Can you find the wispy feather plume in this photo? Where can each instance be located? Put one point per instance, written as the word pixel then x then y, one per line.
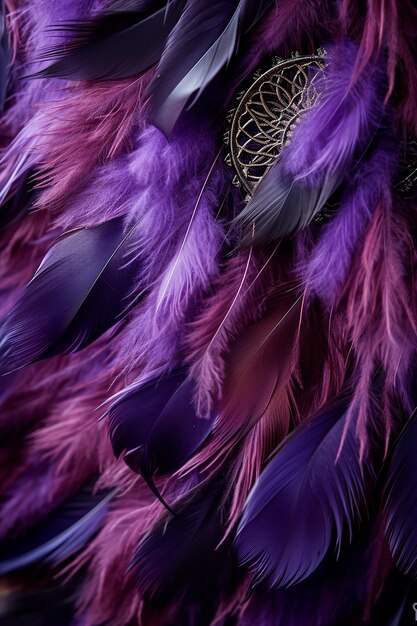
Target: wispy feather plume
pixel 178 238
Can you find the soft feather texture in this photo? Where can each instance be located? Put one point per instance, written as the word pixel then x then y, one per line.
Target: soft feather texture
pixel 389 25
pixel 110 590
pixel 176 199
pixel 270 334
pixel 79 291
pixel 380 318
pixel 20 119
pixel 326 269
pixel 66 447
pixel 330 138
pixel 306 493
pixel 86 130
pixel 201 44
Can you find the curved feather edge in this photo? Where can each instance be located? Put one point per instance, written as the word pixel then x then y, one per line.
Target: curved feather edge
pixel 169 557
pixel 156 427
pixel 302 500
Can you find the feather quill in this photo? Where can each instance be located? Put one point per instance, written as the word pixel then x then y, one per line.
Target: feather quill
pixel 258 370
pixel 231 307
pixel 178 239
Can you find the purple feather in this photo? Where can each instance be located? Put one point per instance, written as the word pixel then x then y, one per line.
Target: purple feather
pixel 302 500
pixel 155 424
pixel 177 194
pixel 345 591
pixel 168 560
pixel 325 271
pixel 79 291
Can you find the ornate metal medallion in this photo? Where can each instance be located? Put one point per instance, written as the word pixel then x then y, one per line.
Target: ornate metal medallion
pixel 267 114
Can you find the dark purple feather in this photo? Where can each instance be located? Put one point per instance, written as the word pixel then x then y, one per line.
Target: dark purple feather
pixel 79 291
pixel 342 592
pixel 113 46
pixel 18 203
pixel 169 559
pixel 61 534
pixel 155 424
pixel 201 44
pixel 302 500
pixel 400 500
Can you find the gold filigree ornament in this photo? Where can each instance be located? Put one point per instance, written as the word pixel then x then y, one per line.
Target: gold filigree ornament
pixel 267 114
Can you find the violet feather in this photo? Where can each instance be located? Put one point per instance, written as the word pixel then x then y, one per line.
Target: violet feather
pixel 156 426
pixel 302 501
pixel 177 193
pixel 326 269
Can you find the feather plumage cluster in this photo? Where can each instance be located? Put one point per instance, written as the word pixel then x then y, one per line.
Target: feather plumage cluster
pixel 207 405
